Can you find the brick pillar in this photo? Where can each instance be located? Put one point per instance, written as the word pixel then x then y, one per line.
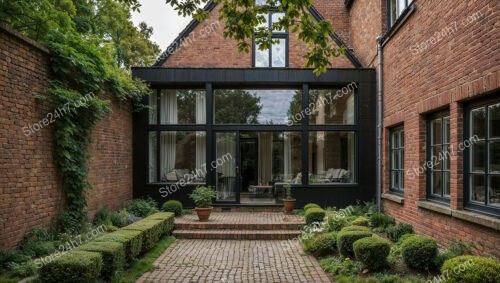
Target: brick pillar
pixel 456 165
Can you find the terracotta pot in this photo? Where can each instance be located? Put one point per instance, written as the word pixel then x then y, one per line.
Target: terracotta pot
pixel 203 213
pixel 289 204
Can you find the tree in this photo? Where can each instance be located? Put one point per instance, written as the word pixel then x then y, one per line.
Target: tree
pixel 243 16
pixel 236 107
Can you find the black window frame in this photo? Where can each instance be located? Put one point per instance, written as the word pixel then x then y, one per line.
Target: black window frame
pixel 275 35
pixel 396 129
pixel 390 21
pixel 467 165
pixel 442 115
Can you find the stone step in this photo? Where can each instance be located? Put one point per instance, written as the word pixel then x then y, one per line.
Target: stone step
pixel 237 234
pixel 250 208
pixel 238 226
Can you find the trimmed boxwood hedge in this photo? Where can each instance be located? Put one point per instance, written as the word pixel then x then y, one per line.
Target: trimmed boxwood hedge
pixel 152 230
pixel 419 252
pixel 321 244
pixel 168 221
pixel 346 238
pixel 471 269
pixel 311 205
pixel 74 266
pixel 357 228
pixel 398 230
pixel 113 256
pixel 131 239
pixel 314 214
pixel 361 221
pixel 372 252
pixel 174 206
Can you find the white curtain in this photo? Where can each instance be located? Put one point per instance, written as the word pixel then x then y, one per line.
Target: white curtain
pixel 320 152
pixel 287 151
pixel 152 157
pixel 349 111
pixel 226 143
pixel 201 115
pixel 168 139
pixel 265 157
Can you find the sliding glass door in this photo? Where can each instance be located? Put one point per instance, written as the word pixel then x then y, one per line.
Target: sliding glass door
pixel 227 178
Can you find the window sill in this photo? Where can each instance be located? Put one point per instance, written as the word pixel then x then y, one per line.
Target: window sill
pixel 399 23
pixel 394 198
pixel 468 216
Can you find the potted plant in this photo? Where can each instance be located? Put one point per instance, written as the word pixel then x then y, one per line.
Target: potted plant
pixel 202 197
pixel 289 201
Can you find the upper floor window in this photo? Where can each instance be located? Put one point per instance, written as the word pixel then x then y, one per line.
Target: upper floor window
pixel 277 55
pixel 438 156
pixel 483 166
pixel 397 153
pixel 395 8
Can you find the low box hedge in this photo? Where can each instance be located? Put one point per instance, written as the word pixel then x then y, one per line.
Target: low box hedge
pixel 151 229
pixel 131 239
pixel 321 244
pixel 356 228
pixel 314 214
pixel 360 221
pixel 113 256
pixel 168 219
pixel 372 252
pixel 471 269
pixel 419 252
pixel 74 266
pixel 311 205
pixel 346 238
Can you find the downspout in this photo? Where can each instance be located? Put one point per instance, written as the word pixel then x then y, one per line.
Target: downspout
pixel 380 39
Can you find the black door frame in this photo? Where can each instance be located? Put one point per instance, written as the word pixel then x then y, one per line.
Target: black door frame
pixel 213 171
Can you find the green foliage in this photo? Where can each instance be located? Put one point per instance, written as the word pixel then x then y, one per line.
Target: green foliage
pixel 167 219
pixel 341 266
pixel 131 240
pixel 235 106
pixel 311 205
pixel 74 266
pixel 381 220
pixel 11 257
pixel 288 192
pixel 143 207
pixel 362 209
pixel 102 216
pixel 321 244
pixel 360 221
pixel 113 256
pixel 172 206
pixel 120 218
pixel 356 228
pixel 314 214
pixel 345 240
pixel 37 242
pixel 471 269
pixel 419 252
pixel 335 221
pixel 396 231
pixel 24 269
pixel 456 248
pixel 381 278
pixel 151 231
pixel 203 196
pixel 372 252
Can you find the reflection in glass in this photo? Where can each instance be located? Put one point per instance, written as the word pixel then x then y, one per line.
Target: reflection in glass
pixel 153 153
pixel 226 178
pixel 276 17
pixel 494 118
pixel 152 108
pixel 279 52
pixel 477 188
pixel 477 152
pixel 494 190
pixel 331 158
pixel 397 159
pixel 494 156
pixel 331 106
pixel 478 117
pixel 182 106
pixel 261 57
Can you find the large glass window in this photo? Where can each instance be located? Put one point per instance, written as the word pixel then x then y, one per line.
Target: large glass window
pixel 179 106
pixel 484 167
pixel 331 106
pixel 397 153
pixel 264 107
pixel 332 157
pixel 438 155
pixel 276 56
pixel 395 8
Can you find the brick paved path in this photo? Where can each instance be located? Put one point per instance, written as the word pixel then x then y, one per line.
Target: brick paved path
pixel 225 261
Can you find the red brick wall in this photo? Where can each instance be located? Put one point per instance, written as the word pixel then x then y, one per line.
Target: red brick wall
pixel 206 47
pixel 29 184
pixel 461 66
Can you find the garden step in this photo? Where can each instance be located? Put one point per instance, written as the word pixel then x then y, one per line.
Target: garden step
pixel 238 226
pixel 237 234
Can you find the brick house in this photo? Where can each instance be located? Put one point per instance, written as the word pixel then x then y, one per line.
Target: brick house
pixel 236 121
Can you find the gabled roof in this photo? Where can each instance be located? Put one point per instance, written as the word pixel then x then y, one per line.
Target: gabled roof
pixel 211 5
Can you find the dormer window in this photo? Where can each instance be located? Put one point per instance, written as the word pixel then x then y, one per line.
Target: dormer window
pixel 277 55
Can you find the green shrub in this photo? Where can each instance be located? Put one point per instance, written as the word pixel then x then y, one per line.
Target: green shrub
pixel 356 228
pixel 367 208
pixel 167 219
pixel 419 252
pixel 120 218
pixel 321 244
pixel 74 266
pixel 341 266
pixel 471 269
pixel 381 278
pixel 113 256
pixel 345 240
pixel 396 231
pixel 24 269
pixel 151 229
pixel 372 252
pixel 360 221
pixel 36 243
pixel 381 220
pixel 102 216
pixel 131 240
pixel 311 205
pixel 7 257
pixel 455 249
pixel 314 215
pixel 335 221
pixel 172 206
pixel 143 207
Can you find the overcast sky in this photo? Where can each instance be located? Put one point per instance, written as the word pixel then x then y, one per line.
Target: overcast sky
pixel 164 20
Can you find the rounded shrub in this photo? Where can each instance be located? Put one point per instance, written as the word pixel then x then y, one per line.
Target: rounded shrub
pixel 419 252
pixel 471 269
pixel 396 231
pixel 372 252
pixel 335 221
pixel 321 244
pixel 311 205
pixel 345 240
pixel 382 220
pixel 360 221
pixel 314 215
pixel 356 228
pixel 172 206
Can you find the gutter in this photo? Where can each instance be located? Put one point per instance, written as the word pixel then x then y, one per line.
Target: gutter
pixel 380 42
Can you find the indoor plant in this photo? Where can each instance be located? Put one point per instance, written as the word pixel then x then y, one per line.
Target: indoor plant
pixel 289 201
pixel 202 197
